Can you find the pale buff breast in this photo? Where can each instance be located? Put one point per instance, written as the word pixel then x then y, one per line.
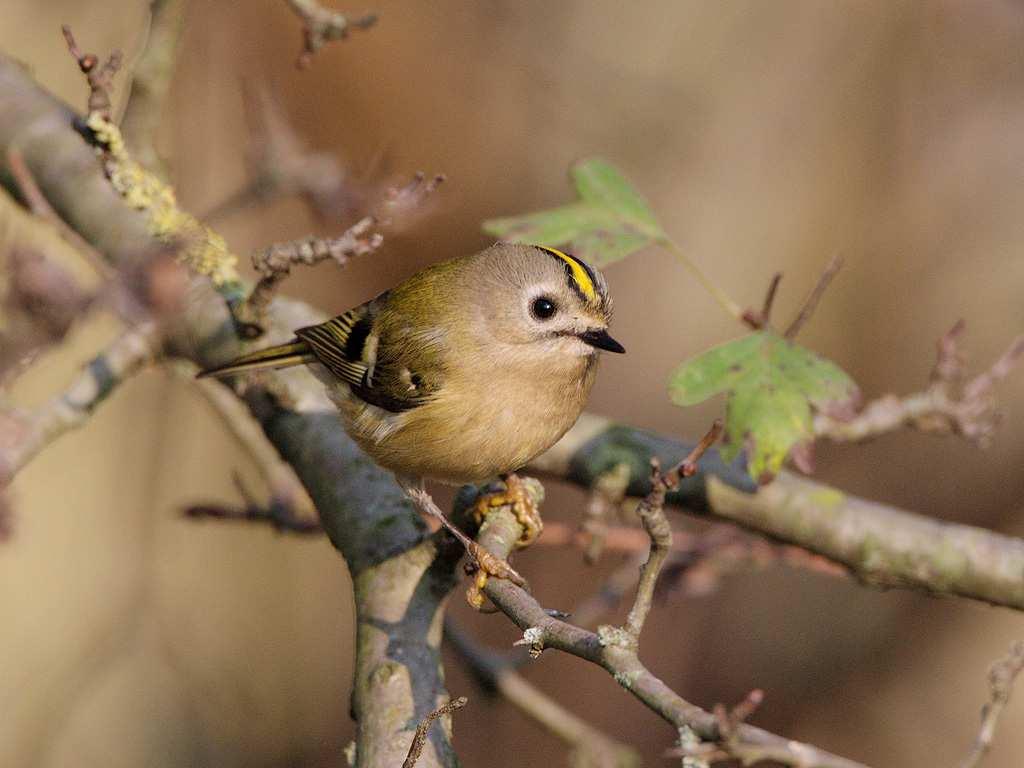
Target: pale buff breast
pixel 493 426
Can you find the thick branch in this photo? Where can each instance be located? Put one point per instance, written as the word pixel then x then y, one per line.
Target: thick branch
pixel 883 546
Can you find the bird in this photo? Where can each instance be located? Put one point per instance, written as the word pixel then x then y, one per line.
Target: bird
pixel 464 372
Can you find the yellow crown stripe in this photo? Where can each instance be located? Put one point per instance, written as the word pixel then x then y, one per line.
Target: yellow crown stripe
pixel 578 271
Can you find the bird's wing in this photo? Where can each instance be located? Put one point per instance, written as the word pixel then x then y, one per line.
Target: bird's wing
pixel 338 344
pixel 358 350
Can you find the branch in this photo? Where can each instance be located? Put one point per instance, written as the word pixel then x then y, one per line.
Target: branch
pixel 151 81
pixel 729 720
pixel 1000 680
pixel 589 747
pixel 202 249
pixel 290 507
pixel 423 728
pixel 99 78
pixel 652 514
pixel 321 25
pixel 46 295
pixel 280 513
pixel 606 497
pixel 397 676
pixel 615 651
pixel 763 318
pixel 400 578
pixel 811 302
pixel 281 164
pixel 40 206
pixel 881 545
pixel 950 404
pixel 275 262
pixel 25 435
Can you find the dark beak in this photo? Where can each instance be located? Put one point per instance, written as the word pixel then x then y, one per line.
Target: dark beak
pixel 599 339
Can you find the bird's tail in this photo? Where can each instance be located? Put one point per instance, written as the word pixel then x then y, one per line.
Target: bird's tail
pixel 282 356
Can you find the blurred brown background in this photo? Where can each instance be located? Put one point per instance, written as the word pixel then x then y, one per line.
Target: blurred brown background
pixel 768 136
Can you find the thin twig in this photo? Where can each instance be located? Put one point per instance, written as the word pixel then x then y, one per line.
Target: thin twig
pixel 729 747
pixel 99 78
pixel 758 320
pixel 424 728
pixel 151 80
pixel 720 296
pixel 615 651
pixel 279 513
pixel 275 262
pixel 949 404
pixel 290 506
pixel 811 302
pixel 590 747
pixel 1000 681
pixel 321 25
pixel 769 299
pixel 281 163
pixel 652 514
pixel 25 435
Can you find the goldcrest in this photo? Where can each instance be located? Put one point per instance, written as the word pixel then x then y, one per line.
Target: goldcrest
pixel 468 369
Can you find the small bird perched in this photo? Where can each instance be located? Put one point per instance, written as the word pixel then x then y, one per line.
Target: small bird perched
pixel 464 372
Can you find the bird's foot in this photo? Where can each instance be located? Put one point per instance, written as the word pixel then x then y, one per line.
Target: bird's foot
pixel 518 497
pixel 484 563
pixel 487 564
pixel 527 515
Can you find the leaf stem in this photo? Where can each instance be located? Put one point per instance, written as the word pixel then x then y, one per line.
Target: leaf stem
pixel 726 303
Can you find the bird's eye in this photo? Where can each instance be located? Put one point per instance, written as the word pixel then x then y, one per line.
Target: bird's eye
pixel 543 308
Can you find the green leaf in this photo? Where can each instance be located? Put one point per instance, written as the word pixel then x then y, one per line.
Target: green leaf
pixel 609 222
pixel 600 183
pixel 773 388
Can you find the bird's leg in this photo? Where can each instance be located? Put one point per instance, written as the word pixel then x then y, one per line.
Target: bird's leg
pixel 487 563
pixel 516 496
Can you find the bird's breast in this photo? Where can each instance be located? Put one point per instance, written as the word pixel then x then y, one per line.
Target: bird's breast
pixel 481 424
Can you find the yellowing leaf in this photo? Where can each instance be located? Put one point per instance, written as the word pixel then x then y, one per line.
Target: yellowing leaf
pixel 773 387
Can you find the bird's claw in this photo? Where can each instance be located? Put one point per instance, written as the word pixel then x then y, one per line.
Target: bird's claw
pixel 487 564
pixel 518 497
